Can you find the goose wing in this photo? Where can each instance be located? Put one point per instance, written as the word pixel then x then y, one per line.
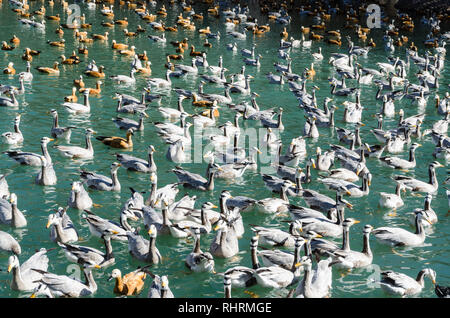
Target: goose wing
pixel 39 260
pixel 185 176
pixel 394 279
pixel 25 158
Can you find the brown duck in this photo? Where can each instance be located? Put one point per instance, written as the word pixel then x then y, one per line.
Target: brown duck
pixel 118 142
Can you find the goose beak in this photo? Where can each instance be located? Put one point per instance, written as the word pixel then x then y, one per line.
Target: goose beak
pixel 314 165
pixel 215 207
pixel 146 115
pixel 298 264
pixel 48 225
pixel 348 192
pixel 33 295
pixel 97 266
pixel 349 205
pixel 10 268
pixel 356 221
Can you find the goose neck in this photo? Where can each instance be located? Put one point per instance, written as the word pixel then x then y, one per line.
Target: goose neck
pixel 366 245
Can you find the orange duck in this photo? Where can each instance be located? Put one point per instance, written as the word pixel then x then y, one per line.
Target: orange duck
pixel 315 37
pixel 118 46
pixel 15 40
pixel 10 70
pixel 98 74
pixel 93 91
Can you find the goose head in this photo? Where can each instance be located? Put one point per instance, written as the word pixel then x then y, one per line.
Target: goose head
pixel 45 140
pixel 13 262
pixel 115 166
pixel 367 229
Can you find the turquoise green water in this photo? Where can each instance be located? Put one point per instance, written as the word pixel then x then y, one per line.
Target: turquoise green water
pixel 47 92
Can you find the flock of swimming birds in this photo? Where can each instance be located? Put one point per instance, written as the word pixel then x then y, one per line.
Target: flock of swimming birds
pixel 162 213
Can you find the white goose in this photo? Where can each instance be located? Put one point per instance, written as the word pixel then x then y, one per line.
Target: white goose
pixel 317 285
pixel 392 201
pixel 306 43
pixel 62 230
pixel 123 79
pixel 276 205
pixel 53 285
pixel 403 285
pixel 421 186
pixel 76 152
pixel 161 82
pixel 24 277
pixel 348 259
pixel 197 260
pixel 77 108
pixel 271 276
pixel 395 236
pixel 400 163
pixel 428 213
pixel 13 137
